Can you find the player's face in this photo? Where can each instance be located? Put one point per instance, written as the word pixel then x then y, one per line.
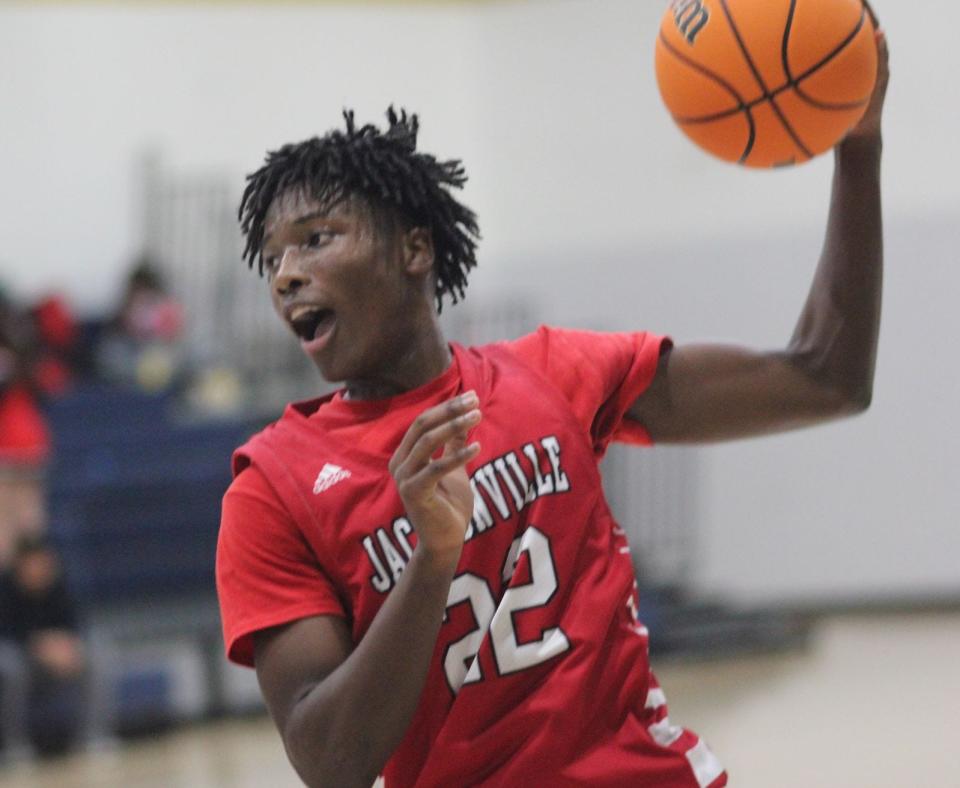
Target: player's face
pixel 340 285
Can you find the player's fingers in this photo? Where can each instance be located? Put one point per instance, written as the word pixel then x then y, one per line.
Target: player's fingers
pixel 428 476
pixel 431 442
pixel 883 51
pixel 883 69
pixel 456 443
pixel 429 419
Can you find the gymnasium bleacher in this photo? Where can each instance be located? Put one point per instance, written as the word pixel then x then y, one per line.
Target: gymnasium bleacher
pixel 134 493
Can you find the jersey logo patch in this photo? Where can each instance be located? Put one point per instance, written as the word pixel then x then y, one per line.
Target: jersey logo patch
pixel 329 475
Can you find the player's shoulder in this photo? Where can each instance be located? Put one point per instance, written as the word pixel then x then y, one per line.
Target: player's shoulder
pixel 535 347
pixel 250 481
pixel 520 353
pixel 519 346
pixel 287 433
pixel 520 365
pixel 538 350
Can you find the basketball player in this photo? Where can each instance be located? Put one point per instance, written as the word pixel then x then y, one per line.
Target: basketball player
pixel 421 566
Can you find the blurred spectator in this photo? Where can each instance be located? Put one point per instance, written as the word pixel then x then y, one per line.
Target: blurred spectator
pixel 24 440
pixel 37 616
pixel 147 312
pixel 56 338
pixel 141 345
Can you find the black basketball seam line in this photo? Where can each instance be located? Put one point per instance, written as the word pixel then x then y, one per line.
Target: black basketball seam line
pixel 795 82
pixel 785 44
pixel 836 50
pixel 696 119
pixel 705 71
pixel 741 104
pixel 825 105
pixel 751 123
pixel 751 139
pixel 784 49
pixel 746 54
pixel 830 57
pixel 829 106
pixel 792 82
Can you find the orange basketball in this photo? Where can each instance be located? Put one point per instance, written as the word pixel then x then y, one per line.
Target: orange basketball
pixel 766 83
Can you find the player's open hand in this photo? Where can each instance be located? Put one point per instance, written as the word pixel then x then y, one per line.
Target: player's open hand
pixel 435 489
pixel 869 125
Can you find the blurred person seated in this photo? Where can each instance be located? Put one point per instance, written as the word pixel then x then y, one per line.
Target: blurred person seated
pixel 24 438
pixel 141 345
pixel 38 617
pixel 56 338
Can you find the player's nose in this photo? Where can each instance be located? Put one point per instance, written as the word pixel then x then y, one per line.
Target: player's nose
pixel 292 274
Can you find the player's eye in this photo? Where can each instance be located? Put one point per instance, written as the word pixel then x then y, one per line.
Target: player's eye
pixel 270 263
pixel 318 238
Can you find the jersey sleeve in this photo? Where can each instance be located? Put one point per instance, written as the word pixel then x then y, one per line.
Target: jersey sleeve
pixel 267 574
pixel 601 374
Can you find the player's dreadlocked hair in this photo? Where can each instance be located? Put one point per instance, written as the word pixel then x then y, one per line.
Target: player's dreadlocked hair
pixel 383 168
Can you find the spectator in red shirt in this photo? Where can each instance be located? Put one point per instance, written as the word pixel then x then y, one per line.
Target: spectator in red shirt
pixel 24 439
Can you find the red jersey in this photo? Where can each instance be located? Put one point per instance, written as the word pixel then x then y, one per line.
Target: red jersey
pixel 540 673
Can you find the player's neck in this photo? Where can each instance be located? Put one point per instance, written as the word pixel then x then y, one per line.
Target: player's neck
pixel 414 365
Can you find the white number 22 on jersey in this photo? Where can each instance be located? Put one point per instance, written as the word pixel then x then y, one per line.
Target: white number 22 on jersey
pixel 460 661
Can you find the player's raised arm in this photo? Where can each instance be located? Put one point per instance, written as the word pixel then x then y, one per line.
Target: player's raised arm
pixel 714 392
pixel 342 710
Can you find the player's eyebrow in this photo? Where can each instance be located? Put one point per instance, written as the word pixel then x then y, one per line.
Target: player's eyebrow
pixel 318 214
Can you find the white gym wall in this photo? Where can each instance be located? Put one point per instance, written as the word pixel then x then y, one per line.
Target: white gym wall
pixel 591 204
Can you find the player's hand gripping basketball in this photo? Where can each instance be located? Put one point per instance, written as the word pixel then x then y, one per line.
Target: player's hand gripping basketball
pixel 436 490
pixel 869 125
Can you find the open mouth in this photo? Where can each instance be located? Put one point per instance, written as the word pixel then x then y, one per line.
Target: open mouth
pixel 309 323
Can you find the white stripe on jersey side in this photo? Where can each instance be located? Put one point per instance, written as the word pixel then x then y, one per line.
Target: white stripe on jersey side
pixel 655 698
pixel 664 733
pixel 706 767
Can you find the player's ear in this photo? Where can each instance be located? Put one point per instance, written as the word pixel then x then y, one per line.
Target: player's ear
pixel 418 253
